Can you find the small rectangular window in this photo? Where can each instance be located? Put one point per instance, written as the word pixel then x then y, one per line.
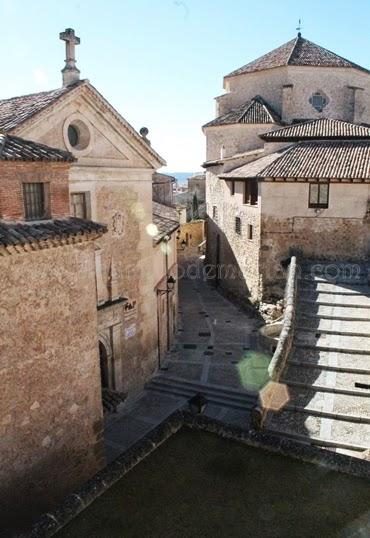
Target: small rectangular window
pixel 250 232
pixel 319 195
pixel 215 213
pixel 232 188
pixel 78 203
pixel 36 201
pixel 251 191
pixel 238 225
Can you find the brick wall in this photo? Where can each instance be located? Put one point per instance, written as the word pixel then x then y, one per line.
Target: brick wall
pixel 14 174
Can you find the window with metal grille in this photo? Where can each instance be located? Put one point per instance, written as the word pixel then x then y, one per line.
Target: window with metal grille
pixel 35 197
pixel 319 101
pixel 250 232
pixel 251 191
pixel 319 195
pixel 238 225
pixel 79 205
pixel 215 213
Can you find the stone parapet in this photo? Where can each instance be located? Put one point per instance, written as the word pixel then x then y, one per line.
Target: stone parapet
pixel 72 505
pixel 284 345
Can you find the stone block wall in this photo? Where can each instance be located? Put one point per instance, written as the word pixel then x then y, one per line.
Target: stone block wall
pixel 50 402
pixel 340 232
pixel 238 271
pixel 127 251
pixel 191 232
pixel 325 239
pixel 14 174
pixel 336 83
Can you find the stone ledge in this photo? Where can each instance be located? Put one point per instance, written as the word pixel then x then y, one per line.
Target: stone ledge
pixel 75 503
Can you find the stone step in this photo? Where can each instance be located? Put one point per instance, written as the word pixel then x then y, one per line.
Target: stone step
pixel 330 311
pixel 340 433
pixel 304 440
pixel 316 387
pixel 336 289
pixel 330 326
pixel 326 378
pixel 345 406
pixel 333 342
pixel 216 394
pixel 356 301
pixel 361 279
pixel 309 357
pixel 331 404
pixel 345 369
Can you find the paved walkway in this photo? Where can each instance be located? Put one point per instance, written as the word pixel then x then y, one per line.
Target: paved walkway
pixel 209 353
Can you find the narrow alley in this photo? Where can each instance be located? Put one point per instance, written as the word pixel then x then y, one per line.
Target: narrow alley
pixel 213 355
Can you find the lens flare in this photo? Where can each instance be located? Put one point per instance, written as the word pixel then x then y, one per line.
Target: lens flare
pixel 151 229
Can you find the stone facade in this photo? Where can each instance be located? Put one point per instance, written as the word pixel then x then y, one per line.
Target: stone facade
pixel 281 221
pixel 340 232
pixel 113 172
pixel 165 266
pixel 50 408
pixel 192 233
pixel 236 258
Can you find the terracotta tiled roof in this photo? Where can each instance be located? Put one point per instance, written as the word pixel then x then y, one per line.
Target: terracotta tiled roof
pixel 298 51
pixel 13 148
pixel 166 220
pixel 323 128
pixel 16 110
pixel 254 111
pixel 337 160
pixel 254 168
pixel 19 235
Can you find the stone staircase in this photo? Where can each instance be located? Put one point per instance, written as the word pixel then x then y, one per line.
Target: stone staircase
pixel 328 372
pixel 215 394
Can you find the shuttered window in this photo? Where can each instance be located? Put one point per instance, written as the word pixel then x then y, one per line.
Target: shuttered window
pixel 215 213
pixel 78 202
pixel 251 191
pixel 319 195
pixel 35 197
pixel 250 232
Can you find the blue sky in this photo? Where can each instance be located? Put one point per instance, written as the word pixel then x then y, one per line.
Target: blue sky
pixel 160 63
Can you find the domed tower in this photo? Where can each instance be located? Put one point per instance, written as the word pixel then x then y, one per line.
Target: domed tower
pixel 287 155
pixel 296 82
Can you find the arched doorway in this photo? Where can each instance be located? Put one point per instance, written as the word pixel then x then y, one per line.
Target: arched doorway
pixel 104 368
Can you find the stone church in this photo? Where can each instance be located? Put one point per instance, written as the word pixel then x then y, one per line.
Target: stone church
pixel 110 182
pixel 288 167
pixel 76 291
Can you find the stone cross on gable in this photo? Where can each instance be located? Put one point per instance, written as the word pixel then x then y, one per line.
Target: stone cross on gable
pixel 70 72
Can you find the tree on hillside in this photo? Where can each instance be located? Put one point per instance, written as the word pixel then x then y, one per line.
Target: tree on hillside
pixel 195 208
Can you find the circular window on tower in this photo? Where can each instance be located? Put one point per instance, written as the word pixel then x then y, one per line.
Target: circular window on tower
pixel 77 134
pixel 319 100
pixel 73 135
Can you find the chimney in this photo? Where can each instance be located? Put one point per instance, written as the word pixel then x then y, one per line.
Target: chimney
pixel 70 72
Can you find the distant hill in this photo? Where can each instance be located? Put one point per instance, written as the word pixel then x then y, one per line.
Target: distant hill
pixel 181 176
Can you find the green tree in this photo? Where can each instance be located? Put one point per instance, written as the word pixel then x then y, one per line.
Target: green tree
pixel 195 208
